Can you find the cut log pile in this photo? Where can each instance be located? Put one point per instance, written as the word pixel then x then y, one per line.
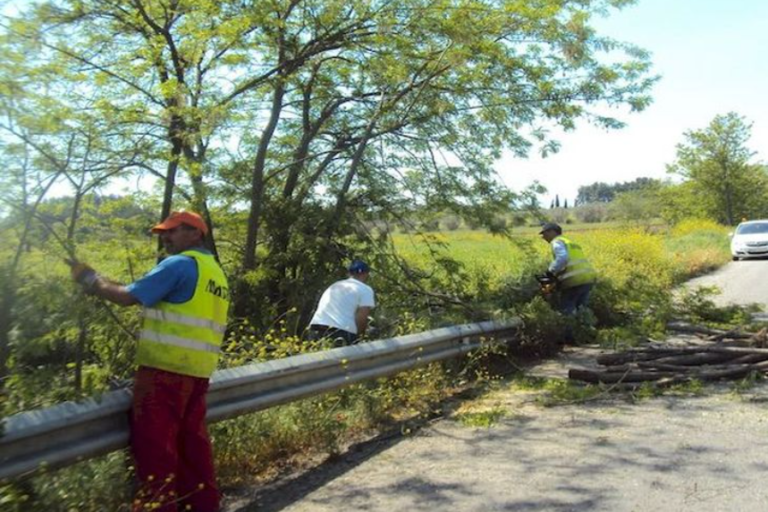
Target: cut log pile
pixel 724 355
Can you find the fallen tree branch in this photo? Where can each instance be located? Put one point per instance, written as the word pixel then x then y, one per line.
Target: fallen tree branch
pixel 680 373
pixel 685 327
pixel 650 354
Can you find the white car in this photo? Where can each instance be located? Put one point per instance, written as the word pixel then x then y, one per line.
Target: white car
pixel 750 240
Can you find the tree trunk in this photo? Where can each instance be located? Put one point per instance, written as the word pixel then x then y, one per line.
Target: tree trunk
pixel 257 197
pixel 728 201
pixel 200 204
pixel 170 183
pixel 341 197
pixel 82 335
pixel 7 302
pixel 77 200
pixel 257 178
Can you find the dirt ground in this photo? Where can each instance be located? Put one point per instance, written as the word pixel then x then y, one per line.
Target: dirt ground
pixel 705 452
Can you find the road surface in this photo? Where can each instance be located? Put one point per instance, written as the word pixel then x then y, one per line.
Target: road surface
pixel 740 282
pixel 674 453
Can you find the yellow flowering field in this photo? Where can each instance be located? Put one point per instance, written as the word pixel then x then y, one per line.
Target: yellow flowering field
pixel 665 256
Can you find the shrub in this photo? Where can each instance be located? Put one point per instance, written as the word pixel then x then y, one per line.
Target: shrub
pixel 451 223
pixel 591 212
pixel 697 246
pixel 696 226
pixel 559 215
pixel 498 224
pixel 542 330
pixel 430 225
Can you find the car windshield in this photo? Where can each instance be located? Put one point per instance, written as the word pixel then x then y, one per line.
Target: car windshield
pixel 753 228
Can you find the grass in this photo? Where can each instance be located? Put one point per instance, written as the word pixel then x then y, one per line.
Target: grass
pixel 554 392
pixel 482 419
pixel 747 383
pixel 476 250
pixel 691 248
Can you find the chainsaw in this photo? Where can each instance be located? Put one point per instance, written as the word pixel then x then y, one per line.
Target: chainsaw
pixel 547 283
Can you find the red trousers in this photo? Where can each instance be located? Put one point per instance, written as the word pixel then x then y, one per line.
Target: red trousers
pixel 170 443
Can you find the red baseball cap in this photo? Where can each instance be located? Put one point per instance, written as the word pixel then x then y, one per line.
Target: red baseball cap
pixel 176 219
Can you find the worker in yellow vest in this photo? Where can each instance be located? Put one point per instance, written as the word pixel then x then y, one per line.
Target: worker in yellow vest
pixel 570 266
pixel 185 299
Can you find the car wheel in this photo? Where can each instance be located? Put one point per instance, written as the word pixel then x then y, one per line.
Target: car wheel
pixel 735 258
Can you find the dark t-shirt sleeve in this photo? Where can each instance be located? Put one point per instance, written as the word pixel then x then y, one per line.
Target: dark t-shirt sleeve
pixel 172 280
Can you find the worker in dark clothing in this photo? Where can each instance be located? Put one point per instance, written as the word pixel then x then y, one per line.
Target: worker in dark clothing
pixel 574 273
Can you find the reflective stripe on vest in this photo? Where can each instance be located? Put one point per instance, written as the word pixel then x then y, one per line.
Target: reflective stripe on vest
pixel 186 338
pixel 578 270
pixel 169 339
pixel 167 316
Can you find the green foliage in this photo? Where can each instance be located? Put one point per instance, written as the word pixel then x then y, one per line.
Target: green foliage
pixel 740 387
pixel 683 201
pixel 600 192
pixel 716 161
pixel 482 419
pixel 637 207
pixel 591 212
pixel 254 444
pixel 305 131
pixel 698 246
pixel 565 391
pixel 554 392
pixel 291 125
pixel 649 390
pixel 543 327
pixel 98 484
pixel 697 306
pixel 486 275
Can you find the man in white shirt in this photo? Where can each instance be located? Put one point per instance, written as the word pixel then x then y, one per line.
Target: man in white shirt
pixel 342 313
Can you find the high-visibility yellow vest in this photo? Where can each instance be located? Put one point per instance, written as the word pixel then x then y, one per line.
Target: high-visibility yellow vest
pixel 186 338
pixel 578 270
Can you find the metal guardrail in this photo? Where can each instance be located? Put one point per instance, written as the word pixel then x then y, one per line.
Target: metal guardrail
pixel 58 436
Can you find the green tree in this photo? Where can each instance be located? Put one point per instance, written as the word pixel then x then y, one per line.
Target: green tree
pixel 600 192
pixel 295 125
pixel 684 201
pixel 636 206
pixel 717 161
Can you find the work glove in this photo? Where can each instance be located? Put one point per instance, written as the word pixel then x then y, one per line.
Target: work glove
pixel 83 274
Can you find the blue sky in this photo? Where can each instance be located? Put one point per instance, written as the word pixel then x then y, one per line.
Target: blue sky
pixel 713 59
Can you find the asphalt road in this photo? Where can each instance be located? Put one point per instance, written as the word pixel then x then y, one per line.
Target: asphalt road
pixel 675 453
pixel 670 454
pixel 740 282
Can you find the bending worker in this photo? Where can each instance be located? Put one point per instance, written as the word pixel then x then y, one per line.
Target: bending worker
pixel 185 299
pixel 342 313
pixel 574 273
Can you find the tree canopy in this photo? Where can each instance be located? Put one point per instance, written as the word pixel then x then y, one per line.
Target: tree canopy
pixel 600 192
pixel 294 126
pixel 718 164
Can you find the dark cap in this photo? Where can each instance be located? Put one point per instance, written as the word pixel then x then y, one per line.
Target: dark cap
pixel 551 225
pixel 358 267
